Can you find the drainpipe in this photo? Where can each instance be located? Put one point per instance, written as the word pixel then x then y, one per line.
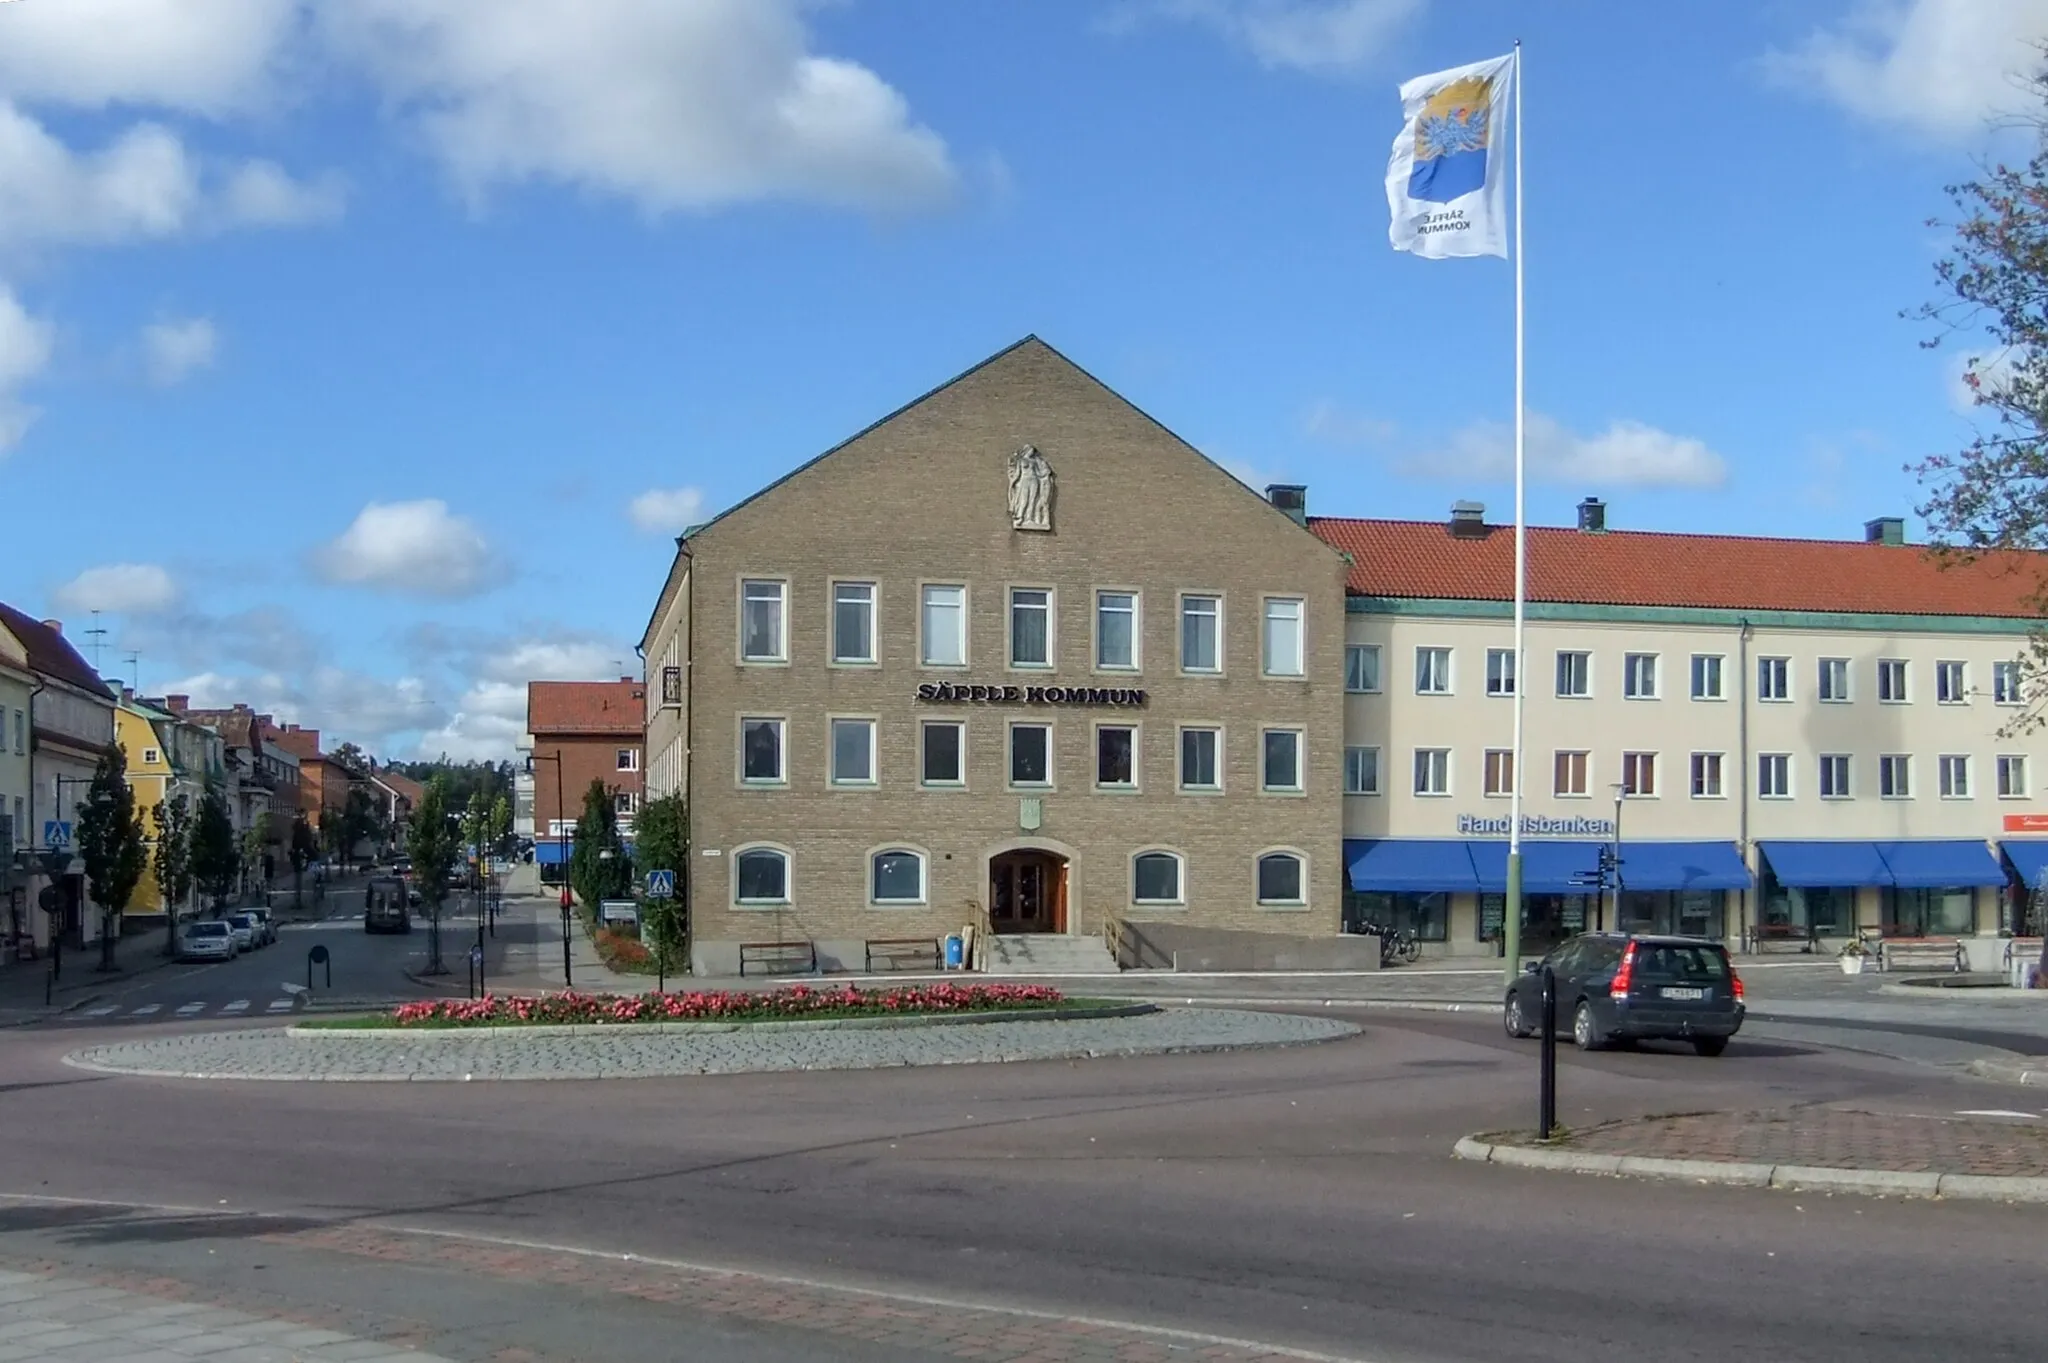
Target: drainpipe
pixel 1743 910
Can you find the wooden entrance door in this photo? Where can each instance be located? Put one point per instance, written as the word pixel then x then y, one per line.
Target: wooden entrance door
pixel 1027 892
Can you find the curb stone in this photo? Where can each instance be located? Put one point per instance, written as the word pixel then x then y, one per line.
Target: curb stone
pixel 409 1034
pixel 1872 1182
pixel 2010 1071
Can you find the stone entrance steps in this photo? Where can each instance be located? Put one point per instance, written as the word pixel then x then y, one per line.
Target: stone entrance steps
pixel 1046 953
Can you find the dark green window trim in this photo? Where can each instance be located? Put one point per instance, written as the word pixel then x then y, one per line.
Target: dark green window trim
pixel 1445 608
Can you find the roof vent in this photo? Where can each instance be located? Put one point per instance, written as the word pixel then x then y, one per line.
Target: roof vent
pixel 1885 530
pixel 1592 516
pixel 1468 520
pixel 1291 498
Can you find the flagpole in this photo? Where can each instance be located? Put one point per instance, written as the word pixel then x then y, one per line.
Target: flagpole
pixel 1511 914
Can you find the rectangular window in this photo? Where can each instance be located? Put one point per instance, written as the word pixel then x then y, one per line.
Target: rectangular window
pixel 1639 676
pixel 853 622
pixel 1362 668
pixel 1432 672
pixel 853 752
pixel 1432 771
pixel 149 757
pixel 943 623
pixel 1030 627
pixel 628 759
pixel 763 638
pixel 2012 777
pixel 1280 767
pixel 622 802
pixel 1574 674
pixel 1774 679
pixel 1201 633
pixel 1030 755
pixel 1774 776
pixel 1891 681
pixel 944 753
pixel 1834 776
pixel 1200 768
pixel 1706 676
pixel 1361 771
pixel 2005 683
pixel 1500 771
pixel 1500 672
pixel 1951 684
pixel 1569 773
pixel 761 750
pixel 1639 774
pixel 1953 770
pixel 1116 630
pixel 1895 776
pixel 1283 655
pixel 1706 776
pixel 1833 682
pixel 1116 755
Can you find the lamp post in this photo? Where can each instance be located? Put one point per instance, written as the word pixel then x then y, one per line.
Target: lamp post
pixel 562 862
pixel 1620 793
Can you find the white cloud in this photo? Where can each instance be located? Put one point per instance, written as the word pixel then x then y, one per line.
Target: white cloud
pixel 124 588
pixel 490 717
pixel 1332 424
pixel 1626 454
pixel 261 194
pixel 1307 35
pixel 418 548
pixel 215 57
pixel 1938 67
pixel 25 344
pixel 670 106
pixel 173 350
pixel 667 510
pixel 1992 369
pixel 346 706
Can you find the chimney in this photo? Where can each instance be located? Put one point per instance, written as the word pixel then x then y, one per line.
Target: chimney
pixel 626 681
pixel 1291 498
pixel 56 626
pixel 1592 516
pixel 1468 520
pixel 1885 530
pixel 177 705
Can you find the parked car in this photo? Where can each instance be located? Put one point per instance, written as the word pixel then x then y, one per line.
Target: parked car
pixel 1615 987
pixel 402 865
pixel 206 940
pixel 243 926
pixel 265 924
pixel 385 905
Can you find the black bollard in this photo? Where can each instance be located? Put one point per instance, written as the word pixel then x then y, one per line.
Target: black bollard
pixel 1546 1102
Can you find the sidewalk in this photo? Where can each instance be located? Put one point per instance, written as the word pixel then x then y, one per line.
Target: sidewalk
pixel 524 956
pixel 25 985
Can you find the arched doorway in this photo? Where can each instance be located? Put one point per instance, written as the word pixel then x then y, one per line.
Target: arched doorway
pixel 1027 891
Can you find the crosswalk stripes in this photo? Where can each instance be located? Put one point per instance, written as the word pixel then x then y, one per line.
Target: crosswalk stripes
pixel 235 1008
pixel 238 1006
pixel 103 1010
pixel 186 1010
pixel 147 1010
pixel 279 1005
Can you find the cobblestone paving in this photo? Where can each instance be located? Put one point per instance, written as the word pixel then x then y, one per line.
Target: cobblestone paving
pixel 627 1053
pixel 1830 1138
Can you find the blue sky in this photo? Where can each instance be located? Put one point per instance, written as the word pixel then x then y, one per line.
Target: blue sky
pixel 360 361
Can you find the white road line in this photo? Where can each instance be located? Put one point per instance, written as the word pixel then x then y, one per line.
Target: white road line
pixel 238 1006
pixel 1997 1112
pixel 278 1006
pixel 186 1010
pixel 147 1010
pixel 104 1010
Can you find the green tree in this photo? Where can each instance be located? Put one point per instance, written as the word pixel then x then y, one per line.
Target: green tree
pixel 216 860
pixel 598 867
pixel 434 846
pixel 303 849
pixel 361 821
pixel 476 831
pixel 353 759
pixel 661 842
pixel 501 824
pixel 171 859
pixel 110 840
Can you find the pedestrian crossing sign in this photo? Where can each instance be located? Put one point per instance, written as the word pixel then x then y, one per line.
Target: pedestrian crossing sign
pixel 661 884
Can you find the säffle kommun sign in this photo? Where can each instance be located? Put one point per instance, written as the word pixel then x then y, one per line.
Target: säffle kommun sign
pixel 943 692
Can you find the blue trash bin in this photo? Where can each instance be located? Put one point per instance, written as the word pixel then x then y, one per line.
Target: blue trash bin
pixel 956 952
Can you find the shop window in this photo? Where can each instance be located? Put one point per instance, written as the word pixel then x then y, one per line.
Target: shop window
pixel 1949 912
pixel 1425 917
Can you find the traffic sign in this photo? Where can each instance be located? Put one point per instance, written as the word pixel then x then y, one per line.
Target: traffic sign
pixel 661 884
pixel 56 834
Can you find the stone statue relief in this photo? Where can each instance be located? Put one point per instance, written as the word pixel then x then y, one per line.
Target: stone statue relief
pixel 1030 490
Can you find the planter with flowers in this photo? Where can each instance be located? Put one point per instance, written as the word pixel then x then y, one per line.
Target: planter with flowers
pixel 1852 956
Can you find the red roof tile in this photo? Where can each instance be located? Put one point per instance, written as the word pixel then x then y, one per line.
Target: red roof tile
pixel 555 707
pixel 1641 568
pixel 402 785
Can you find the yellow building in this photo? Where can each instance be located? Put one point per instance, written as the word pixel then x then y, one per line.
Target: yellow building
pixel 167 756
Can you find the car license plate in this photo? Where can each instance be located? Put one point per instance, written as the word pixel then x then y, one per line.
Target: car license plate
pixel 1672 992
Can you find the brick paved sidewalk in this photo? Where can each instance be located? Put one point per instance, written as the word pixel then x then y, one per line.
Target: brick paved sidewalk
pixel 1829 1138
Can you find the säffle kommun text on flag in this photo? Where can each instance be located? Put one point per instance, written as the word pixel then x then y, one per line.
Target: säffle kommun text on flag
pixel 1447 180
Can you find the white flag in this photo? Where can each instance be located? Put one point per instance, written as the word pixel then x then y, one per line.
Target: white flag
pixel 1447 181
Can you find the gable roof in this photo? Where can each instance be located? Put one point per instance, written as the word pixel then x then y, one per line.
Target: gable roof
pixel 1644 568
pixel 401 785
pixel 51 654
pixel 557 707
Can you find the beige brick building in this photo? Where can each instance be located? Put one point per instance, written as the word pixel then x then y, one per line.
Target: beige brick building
pixel 1015 655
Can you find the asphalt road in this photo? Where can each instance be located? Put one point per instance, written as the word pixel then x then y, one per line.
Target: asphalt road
pixel 1302 1197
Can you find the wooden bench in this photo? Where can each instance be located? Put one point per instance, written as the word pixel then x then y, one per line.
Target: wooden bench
pixel 779 958
pixel 1944 953
pixel 1765 935
pixel 893 952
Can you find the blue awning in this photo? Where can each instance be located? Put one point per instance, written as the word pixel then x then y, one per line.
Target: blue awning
pixel 551 853
pixel 1936 863
pixel 1547 867
pixel 1682 866
pixel 2029 858
pixel 1409 865
pixel 1807 864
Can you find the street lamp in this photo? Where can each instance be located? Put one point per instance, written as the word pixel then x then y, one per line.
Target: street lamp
pixel 1620 793
pixel 561 862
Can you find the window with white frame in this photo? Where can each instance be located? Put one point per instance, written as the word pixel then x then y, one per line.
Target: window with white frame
pixel 1361 770
pixel 2005 683
pixel 1774 776
pixel 853 622
pixel 944 759
pixel 764 621
pixel 149 757
pixel 1432 771
pixel 1155 878
pixel 1832 772
pixel 628 759
pixel 1706 676
pixel 1362 668
pixel 1639 774
pixel 1116 755
pixel 1774 679
pixel 760 876
pixel 1030 755
pixel 1706 775
pixel 1895 776
pixel 2012 777
pixel 853 752
pixel 1569 772
pixel 1833 682
pixel 1953 772
pixel 1280 759
pixel 1432 672
pixel 1116 630
pixel 896 877
pixel 1281 880
pixel 1574 674
pixel 942 623
pixel 1283 654
pixel 1201 633
pixel 1030 627
pixel 1639 676
pixel 1499 777
pixel 622 802
pixel 761 750
pixel 1500 672
pixel 1201 765
pixel 1951 684
pixel 1891 681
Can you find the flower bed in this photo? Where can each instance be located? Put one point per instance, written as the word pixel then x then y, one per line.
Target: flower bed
pixel 796 1002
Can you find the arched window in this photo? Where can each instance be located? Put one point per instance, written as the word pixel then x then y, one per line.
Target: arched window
pixel 1281 880
pixel 761 876
pixel 898 877
pixel 1155 878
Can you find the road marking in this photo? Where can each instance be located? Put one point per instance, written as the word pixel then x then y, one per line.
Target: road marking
pixel 279 1005
pixel 238 1006
pixel 186 1010
pixel 1997 1112
pixel 103 1010
pixel 146 1010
